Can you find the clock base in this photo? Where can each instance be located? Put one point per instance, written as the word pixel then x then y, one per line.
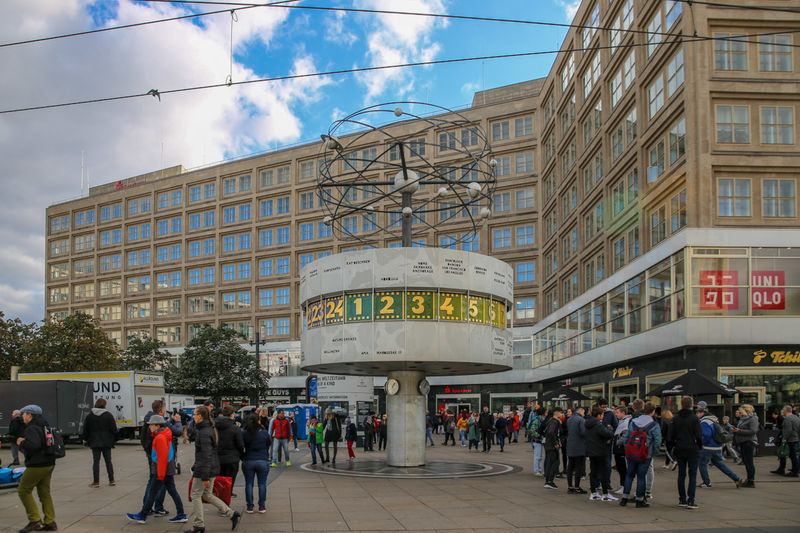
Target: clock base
pixel 405 411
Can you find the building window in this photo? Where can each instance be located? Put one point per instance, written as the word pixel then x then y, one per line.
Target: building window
pixel 633 243
pixel 265 268
pixel 306 200
pixel 733 197
pixel 209 190
pixel 658 225
pixel 526 235
pixel 177 197
pixel 675 73
pixel 778 197
pixel 208 275
pixel 307 231
pixel 733 124
pixel 244 183
pixel 501 238
pixel 502 201
pixel 503 167
pixel 282 264
pixel 229 186
pixel 730 52
pixel 522 127
pixel 677 141
pixel 656 167
pixel 619 253
pixel 469 137
pixel 525 199
pixel 283 205
pixel 616 88
pixel 618 198
pixel 629 69
pixel 500 131
pixel 630 127
pixel 678 211
pixel 324 230
pixel 777 125
pixel 228 243
pixel 228 215
pixel 282 296
pixel 283 235
pixel 775 53
pixel 447 141
pixel 655 96
pixel 526 271
pixel 266 208
pixel 525 308
pixel 674 9
pixel 654 33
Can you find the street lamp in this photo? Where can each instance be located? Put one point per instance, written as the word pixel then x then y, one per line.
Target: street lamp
pixel 254 339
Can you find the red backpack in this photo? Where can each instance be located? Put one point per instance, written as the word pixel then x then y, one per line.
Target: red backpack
pixel 636 447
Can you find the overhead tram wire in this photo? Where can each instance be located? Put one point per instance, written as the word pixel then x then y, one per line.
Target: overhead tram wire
pixel 239 6
pixel 155 92
pixel 751 7
pixel 137 24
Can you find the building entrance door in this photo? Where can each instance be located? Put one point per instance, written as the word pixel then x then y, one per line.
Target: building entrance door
pixel 457 408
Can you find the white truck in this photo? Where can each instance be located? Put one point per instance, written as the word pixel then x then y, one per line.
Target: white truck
pixel 129 394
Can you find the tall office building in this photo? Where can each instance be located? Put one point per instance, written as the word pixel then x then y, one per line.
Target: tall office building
pixel 647 198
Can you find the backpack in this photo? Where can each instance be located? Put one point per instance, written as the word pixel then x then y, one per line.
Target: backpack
pixel 720 435
pixel 54 442
pixel 536 428
pixel 636 446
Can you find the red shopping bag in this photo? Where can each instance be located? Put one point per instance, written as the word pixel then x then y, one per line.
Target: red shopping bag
pixel 223 486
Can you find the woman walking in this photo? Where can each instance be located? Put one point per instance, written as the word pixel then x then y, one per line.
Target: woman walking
pixel 100 434
pixel 473 431
pixel 462 428
pixel 383 432
pixel 350 435
pixel 255 463
pixel 206 469
pixel 745 436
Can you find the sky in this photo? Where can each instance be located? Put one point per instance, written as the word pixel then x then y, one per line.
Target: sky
pixel 41 151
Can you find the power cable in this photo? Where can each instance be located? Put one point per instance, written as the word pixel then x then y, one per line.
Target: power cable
pixel 159 93
pixel 741 6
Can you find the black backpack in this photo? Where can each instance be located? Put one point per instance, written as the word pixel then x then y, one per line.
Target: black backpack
pixel 54 442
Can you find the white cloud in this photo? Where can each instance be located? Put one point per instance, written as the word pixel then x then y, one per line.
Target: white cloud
pixel 469 88
pixel 41 150
pixel 395 39
pixel 335 31
pixel 570 7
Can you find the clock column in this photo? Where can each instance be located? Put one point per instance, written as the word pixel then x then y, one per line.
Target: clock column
pixel 406 418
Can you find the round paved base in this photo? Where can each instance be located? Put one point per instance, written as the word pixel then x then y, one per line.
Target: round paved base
pixel 431 470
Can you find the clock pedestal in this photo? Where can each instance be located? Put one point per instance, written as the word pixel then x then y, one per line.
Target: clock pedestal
pixel 406 418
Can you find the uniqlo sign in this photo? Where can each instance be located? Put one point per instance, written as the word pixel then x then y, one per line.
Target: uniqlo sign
pixel 713 291
pixel 767 289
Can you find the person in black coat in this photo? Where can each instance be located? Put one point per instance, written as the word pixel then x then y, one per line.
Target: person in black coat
pixel 100 434
pixel 38 473
pixel 551 438
pixel 598 446
pixel 486 425
pixel 332 429
pixel 231 445
pixel 383 431
pixel 688 439
pixel 16 429
pixel 369 434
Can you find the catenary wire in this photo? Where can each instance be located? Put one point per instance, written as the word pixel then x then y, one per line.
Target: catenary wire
pixel 742 6
pixel 159 93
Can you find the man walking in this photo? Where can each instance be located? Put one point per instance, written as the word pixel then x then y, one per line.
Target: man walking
pixel 551 438
pixel 713 440
pixel 791 435
pixel 486 425
pixel 16 429
pixel 280 430
pixel 429 422
pixel 688 439
pixel 642 440
pixel 576 451
pixel 39 467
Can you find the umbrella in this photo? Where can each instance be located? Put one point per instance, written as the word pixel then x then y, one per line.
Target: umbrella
pixel 693 383
pixel 564 394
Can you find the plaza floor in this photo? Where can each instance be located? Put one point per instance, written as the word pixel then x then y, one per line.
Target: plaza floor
pixel 299 500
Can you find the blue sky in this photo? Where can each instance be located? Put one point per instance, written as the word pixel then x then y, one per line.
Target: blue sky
pixel 41 150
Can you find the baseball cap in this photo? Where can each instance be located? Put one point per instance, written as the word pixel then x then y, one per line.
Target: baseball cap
pixel 31 409
pixel 157 420
pixel 702 406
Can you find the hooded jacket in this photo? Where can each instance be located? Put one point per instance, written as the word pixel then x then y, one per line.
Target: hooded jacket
pixel 653 433
pixel 162 454
pixel 100 429
pixel 748 429
pixel 16 428
pixel 707 426
pixel 34 446
pixel 473 429
pixel 552 433
pixel 350 432
pixel 206 461
pixel 685 432
pixel 576 435
pixel 597 439
pixel 791 428
pixel 230 447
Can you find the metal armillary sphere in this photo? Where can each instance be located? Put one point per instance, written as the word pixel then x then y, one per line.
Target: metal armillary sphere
pixel 383 179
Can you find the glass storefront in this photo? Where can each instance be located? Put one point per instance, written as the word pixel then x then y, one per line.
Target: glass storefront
pixel 770 387
pixel 623 390
pixel 594 391
pixel 508 402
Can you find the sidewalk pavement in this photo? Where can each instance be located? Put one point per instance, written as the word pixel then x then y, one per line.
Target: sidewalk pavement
pixel 306 501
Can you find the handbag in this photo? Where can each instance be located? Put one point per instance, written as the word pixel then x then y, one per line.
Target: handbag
pixel 222 489
pixel 783 450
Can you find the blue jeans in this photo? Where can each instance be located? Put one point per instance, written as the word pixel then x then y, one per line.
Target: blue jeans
pixel 158 496
pixel 463 434
pixel 793 457
pixel 161 486
pixel 538 457
pixel 429 435
pixel 316 448
pixel 638 470
pixel 683 463
pixel 251 469
pixel 282 443
pixel 608 467
pixel 748 449
pixel 715 457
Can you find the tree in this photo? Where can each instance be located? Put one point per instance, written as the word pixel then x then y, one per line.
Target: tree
pixel 213 364
pixel 14 340
pixel 144 354
pixel 72 344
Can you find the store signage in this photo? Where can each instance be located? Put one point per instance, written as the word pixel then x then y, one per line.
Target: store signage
pixel 449 390
pixel 719 298
pixel 121 185
pixel 767 289
pixel 621 372
pixel 777 356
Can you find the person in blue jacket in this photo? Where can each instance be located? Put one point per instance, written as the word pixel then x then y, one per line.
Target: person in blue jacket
pixel 638 469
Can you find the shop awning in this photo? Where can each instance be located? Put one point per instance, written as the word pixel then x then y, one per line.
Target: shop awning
pixel 693 383
pixel 562 394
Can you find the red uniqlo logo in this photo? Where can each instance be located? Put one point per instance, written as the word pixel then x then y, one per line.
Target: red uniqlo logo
pixel 767 289
pixel 722 298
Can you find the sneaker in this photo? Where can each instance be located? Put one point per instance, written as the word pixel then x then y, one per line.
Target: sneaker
pixel 94 485
pixel 570 490
pixel 178 519
pixel 691 505
pixel 739 483
pixel 674 466
pixel 540 474
pixel 682 503
pixel 736 460
pixel 273 465
pixel 550 486
pixel 595 496
pixel 704 486
pixel 32 526
pixel 52 526
pixel 14 463
pixel 249 509
pixel 297 449
pixel 160 512
pixel 235 519
pixel 288 463
pixel 619 490
pixel 623 502
pixel 778 472
pixel 112 483
pixel 139 518
pixel 262 509
pixel 641 504
pixel 579 490
pixel 609 498
pixel 648 496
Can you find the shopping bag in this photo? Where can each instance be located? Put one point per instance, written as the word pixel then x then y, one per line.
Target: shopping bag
pixel 223 486
pixel 783 450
